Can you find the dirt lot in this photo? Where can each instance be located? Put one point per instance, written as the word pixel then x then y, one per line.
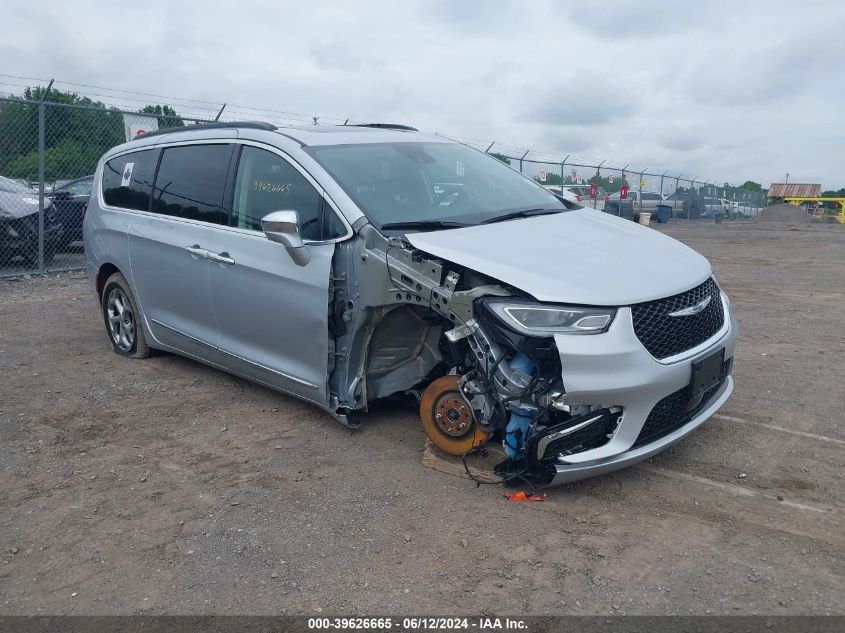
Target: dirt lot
pixel 163 486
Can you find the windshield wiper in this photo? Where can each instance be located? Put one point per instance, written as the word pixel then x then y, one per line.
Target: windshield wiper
pixel 524 213
pixel 423 225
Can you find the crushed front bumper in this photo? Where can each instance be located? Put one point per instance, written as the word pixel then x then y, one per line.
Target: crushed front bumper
pixel 614 369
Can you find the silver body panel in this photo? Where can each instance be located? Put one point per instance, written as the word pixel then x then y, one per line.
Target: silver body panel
pixel 272 315
pixel 171 283
pixel 614 369
pixel 566 473
pixel 253 311
pixel 579 257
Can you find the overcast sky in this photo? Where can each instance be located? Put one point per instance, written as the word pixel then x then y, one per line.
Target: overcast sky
pixel 722 90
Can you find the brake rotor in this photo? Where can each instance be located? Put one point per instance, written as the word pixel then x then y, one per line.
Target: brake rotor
pixel 447 418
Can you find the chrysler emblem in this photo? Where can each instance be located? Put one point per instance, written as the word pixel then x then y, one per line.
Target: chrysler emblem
pixel 693 309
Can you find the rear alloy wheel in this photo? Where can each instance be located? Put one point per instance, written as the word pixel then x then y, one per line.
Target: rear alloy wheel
pixel 122 319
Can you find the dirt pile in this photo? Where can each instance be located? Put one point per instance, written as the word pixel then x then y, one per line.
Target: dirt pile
pixel 783 213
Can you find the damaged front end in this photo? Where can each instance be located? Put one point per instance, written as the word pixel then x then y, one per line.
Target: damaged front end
pixel 480 356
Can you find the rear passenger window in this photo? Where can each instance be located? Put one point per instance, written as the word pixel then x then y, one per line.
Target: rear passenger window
pixel 266 182
pixel 191 182
pixel 128 179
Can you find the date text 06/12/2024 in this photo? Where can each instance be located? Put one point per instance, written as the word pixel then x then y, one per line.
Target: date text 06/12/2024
pixel 417 624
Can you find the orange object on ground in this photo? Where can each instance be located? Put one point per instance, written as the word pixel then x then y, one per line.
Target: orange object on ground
pixel 523 496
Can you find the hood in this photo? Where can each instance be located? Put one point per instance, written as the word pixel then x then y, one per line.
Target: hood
pixel 18 205
pixel 582 257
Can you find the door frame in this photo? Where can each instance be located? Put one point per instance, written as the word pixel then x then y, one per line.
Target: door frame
pixel 327 206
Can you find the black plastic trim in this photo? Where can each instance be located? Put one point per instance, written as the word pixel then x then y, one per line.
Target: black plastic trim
pixel 384 126
pixel 250 125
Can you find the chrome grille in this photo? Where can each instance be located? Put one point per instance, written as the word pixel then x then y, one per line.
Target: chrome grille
pixel 663 335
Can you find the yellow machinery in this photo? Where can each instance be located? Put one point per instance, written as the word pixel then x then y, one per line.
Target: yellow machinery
pixel 797 201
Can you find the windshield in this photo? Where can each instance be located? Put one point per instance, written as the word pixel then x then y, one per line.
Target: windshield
pixel 10 186
pixel 430 182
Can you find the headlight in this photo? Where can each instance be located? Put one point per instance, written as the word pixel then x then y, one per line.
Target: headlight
pixel 535 319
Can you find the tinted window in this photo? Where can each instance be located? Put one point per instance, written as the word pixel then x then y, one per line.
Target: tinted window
pixel 127 180
pixel 191 181
pixel 265 183
pixel 651 196
pixel 81 188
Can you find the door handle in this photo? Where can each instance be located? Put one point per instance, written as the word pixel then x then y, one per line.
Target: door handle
pixel 220 258
pixel 196 251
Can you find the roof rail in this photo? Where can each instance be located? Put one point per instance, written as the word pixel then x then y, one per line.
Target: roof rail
pixel 385 126
pixel 252 125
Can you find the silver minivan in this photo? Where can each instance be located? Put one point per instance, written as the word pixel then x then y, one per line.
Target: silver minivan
pixel 348 264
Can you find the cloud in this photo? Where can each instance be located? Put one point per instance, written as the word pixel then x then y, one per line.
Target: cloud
pixel 584 100
pixel 644 19
pixel 475 19
pixel 732 90
pixel 334 55
pixel 682 142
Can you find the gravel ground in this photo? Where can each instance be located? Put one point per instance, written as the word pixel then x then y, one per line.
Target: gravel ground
pixel 163 486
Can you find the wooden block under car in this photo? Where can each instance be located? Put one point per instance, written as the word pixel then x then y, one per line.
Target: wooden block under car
pixel 481 466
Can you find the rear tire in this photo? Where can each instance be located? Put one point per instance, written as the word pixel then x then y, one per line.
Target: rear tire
pixel 123 319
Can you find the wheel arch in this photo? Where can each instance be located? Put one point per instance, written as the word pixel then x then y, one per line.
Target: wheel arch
pixel 402 350
pixel 105 271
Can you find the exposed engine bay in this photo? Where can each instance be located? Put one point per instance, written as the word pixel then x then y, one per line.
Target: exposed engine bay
pixel 436 331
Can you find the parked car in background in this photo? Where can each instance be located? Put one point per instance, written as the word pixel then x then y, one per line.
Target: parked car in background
pixel 690 205
pixel 636 201
pixel 741 210
pixel 615 205
pixel 680 201
pixel 563 193
pixel 71 201
pixel 710 207
pixel 19 224
pixel 582 195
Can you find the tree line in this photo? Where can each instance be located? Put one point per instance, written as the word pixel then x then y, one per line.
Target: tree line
pixel 74 137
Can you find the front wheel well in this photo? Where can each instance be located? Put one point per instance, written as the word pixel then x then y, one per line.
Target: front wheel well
pixel 403 350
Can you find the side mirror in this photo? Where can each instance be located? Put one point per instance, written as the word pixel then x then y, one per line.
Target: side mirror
pixel 282 227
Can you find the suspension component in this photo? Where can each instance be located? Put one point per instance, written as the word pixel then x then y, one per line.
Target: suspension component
pixel 448 419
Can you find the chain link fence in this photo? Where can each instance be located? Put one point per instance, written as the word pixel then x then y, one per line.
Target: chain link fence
pixel 49 150
pixel 48 154
pixel 626 190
